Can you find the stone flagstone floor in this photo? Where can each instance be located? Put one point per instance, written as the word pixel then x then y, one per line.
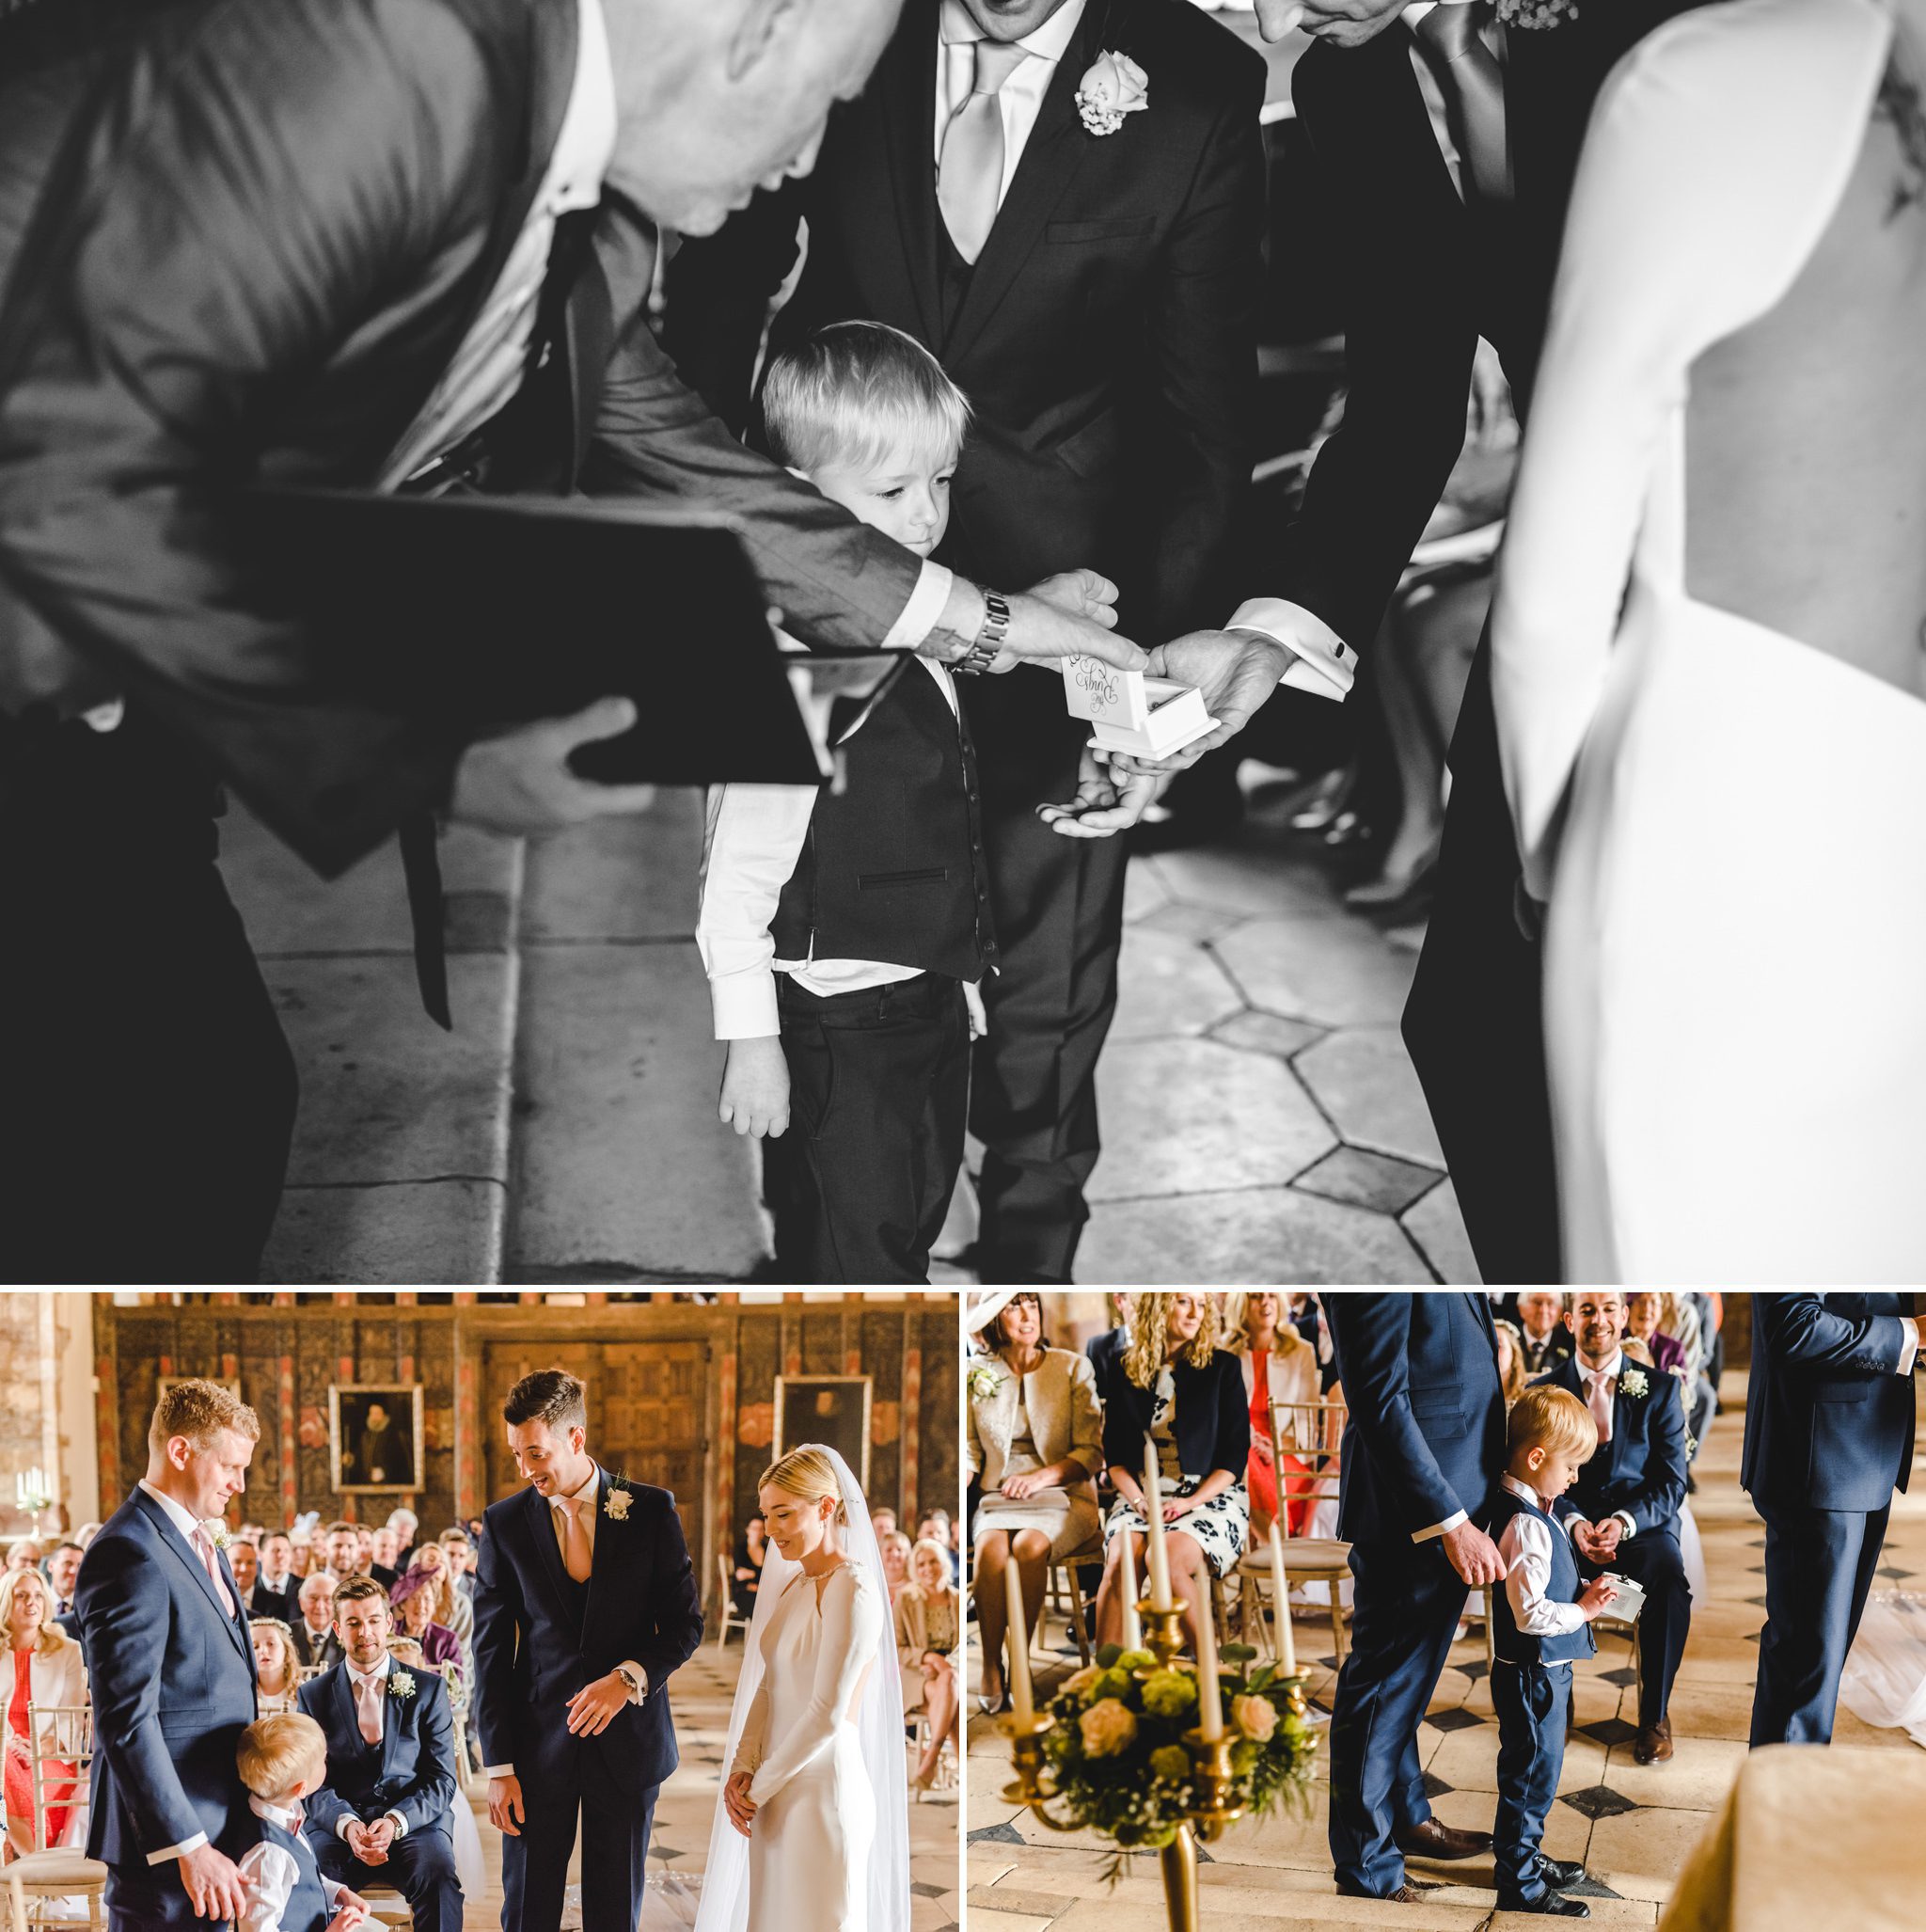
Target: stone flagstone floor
pixel 1630 1825
pixel 1261 1120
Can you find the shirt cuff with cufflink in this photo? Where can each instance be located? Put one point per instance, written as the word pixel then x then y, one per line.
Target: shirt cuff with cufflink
pixel 1321 662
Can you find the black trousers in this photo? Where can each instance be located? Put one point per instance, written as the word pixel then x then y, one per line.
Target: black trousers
pixel 1652 1561
pixel 878 1086
pixel 1059 908
pixel 149 1096
pixel 1531 1700
pixel 420 1866
pixel 1475 1021
pixel 615 1854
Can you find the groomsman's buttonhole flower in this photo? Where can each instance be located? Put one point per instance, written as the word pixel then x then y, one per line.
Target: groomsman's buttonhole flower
pixel 400 1684
pixel 1634 1383
pixel 615 1505
pixel 1113 86
pixel 217 1534
pixel 984 1381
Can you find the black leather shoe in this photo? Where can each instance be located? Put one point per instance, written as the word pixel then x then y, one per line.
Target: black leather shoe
pixel 1547 1905
pixel 1559 1872
pixel 1433 1840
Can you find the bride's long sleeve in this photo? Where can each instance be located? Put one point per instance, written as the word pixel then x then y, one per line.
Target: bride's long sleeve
pixel 851 1639
pixel 755 1740
pixel 1703 173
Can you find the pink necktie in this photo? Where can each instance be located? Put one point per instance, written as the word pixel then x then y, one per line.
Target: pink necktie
pixel 204 1544
pixel 574 1540
pixel 1601 1402
pixel 970 170
pixel 367 1702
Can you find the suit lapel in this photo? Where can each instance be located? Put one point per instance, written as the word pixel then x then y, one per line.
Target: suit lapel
pixel 177 1545
pixel 343 1694
pixel 906 88
pixel 391 1716
pixel 1051 159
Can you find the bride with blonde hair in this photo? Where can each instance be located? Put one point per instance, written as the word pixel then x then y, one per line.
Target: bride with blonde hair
pixel 812 1830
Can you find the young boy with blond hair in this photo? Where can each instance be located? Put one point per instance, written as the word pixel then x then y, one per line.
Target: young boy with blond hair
pixel 281 1760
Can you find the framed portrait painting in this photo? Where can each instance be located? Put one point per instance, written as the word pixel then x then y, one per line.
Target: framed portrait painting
pixel 375 1435
pixel 831 1409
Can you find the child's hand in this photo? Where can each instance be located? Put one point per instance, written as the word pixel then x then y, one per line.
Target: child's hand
pixel 979 1015
pixel 349 1919
pixel 1103 806
pixel 1082 594
pixel 1598 1594
pixel 755 1086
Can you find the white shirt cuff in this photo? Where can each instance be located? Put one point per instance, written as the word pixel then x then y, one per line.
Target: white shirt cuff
pixel 400 1823
pixel 497 1770
pixel 1910 1352
pixel 743 1004
pixel 919 616
pixel 1444 1528
pixel 1321 662
pixel 1625 1516
pixel 178 1851
pixel 635 1697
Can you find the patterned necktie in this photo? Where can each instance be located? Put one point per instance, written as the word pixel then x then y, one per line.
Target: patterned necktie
pixel 368 1706
pixel 204 1548
pixel 1473 85
pixel 574 1540
pixel 1599 1400
pixel 970 171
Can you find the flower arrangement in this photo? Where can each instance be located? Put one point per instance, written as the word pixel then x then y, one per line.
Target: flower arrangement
pixel 1116 1753
pixel 400 1684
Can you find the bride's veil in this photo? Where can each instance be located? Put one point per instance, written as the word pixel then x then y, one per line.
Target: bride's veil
pixel 879 1725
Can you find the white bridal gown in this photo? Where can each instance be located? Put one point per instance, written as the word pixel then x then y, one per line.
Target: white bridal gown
pixel 1721 785
pixel 816 1816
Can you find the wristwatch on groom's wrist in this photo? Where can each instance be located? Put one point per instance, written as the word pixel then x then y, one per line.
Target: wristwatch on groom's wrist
pixel 989 639
pixel 634 1683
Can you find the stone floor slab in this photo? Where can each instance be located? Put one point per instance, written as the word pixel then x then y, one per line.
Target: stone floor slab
pixel 1260 873
pixel 1264 1033
pixel 622 1169
pixel 1367 1181
pixel 1168 984
pixel 411 1232
pixel 1437 1227
pixel 1363 1078
pixel 1253 1236
pixel 1331 971
pixel 618 879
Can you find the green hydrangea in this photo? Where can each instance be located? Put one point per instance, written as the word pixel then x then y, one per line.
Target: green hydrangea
pixel 1112 1683
pixel 1169 1694
pixel 1172 1762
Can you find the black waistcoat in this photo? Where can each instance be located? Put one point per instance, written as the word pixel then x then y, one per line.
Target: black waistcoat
pixel 893 870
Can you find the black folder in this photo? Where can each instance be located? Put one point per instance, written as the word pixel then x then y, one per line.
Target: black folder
pixel 481 613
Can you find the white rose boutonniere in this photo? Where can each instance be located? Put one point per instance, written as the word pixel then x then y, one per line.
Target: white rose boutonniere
pixel 400 1684
pixel 1112 86
pixel 984 1381
pixel 217 1533
pixel 1536 13
pixel 615 1504
pixel 1633 1381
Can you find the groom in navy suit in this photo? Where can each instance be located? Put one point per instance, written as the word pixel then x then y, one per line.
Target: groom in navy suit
pixel 585 1603
pixel 1829 1425
pixel 1623 1510
pixel 383 1815
pixel 1423 1445
pixel 172 1673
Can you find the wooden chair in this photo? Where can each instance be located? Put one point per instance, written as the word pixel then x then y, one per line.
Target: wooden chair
pixel 1318 1431
pixel 1062 1590
pixel 60 1738
pixel 918 1737
pixel 731 1618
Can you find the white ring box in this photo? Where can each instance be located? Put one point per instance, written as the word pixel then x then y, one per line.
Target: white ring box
pixel 1628 1598
pixel 1131 712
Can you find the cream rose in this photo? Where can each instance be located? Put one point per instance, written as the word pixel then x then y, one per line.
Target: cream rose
pixel 1112 86
pixel 1108 1727
pixel 1255 1717
pixel 1078 1685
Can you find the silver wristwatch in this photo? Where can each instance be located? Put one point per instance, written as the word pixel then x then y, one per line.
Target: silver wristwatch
pixel 634 1683
pixel 989 639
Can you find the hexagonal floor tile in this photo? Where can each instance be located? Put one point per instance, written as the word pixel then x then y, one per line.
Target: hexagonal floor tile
pixel 1333 971
pixel 1437 1227
pixel 1364 1079
pixel 1168 984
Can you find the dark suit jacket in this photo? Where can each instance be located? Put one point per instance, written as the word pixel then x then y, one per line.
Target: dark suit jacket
pixel 411 1771
pixel 1642 1469
pixel 1211 1418
pixel 1424 1434
pixel 263 1601
pixel 172 1680
pixel 1828 1423
pixel 1108 339
pixel 243 243
pixel 323 1649
pixel 531 1657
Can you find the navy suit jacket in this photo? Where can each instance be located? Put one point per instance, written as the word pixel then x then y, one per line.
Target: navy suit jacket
pixel 1642 1469
pixel 172 1678
pixel 531 1655
pixel 1829 1422
pixel 411 1771
pixel 1211 1418
pixel 1425 1433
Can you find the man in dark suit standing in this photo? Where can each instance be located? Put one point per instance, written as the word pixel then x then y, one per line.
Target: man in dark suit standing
pixel 361 247
pixel 383 1815
pixel 1424 1444
pixel 171 1671
pixel 1829 1427
pixel 1623 1510
pixel 584 1605
pixel 1445 149
pixel 1093 291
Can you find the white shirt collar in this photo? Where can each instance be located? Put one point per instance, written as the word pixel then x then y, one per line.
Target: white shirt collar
pixel 380 1670
pixel 1050 41
pixel 585 146
pixel 185 1520
pixel 1526 1491
pixel 1615 1367
pixel 281 1815
pixel 586 1491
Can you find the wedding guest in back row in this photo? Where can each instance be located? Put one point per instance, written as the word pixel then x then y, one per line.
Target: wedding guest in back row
pixel 1033 1436
pixel 929 1634
pixel 39 1664
pixel 277 1668
pixel 1175 1387
pixel 1280 1372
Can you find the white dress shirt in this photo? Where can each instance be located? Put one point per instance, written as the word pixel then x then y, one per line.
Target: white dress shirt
pixel 1610 1372
pixel 584 1491
pixel 1020 98
pixel 753 837
pixel 356 1680
pixel 1525 1547
pixel 270 1873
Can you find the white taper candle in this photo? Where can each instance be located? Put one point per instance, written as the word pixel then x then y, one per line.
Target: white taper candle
pixel 1280 1586
pixel 1022 1701
pixel 1133 1623
pixel 1153 1517
pixel 1210 1704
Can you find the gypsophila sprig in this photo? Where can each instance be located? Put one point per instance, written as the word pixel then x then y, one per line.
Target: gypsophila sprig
pixel 1536 13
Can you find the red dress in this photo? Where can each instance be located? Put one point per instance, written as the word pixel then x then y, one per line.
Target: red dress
pixel 1259 1477
pixel 20 1770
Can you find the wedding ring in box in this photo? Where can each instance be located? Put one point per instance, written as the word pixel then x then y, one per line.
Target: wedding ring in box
pixel 1130 712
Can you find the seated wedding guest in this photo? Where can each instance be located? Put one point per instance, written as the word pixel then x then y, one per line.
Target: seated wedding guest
pixel 746 1575
pixel 384 1549
pixel 1512 1376
pixel 278 1576
pixel 450 1605
pixel 1645 1320
pixel 1623 1506
pixel 461 1559
pixel 382 1816
pixel 929 1631
pixel 1540 1622
pixel 25 1555
pixel 406 1526
pixel 1280 1371
pixel 86 1533
pixel 301 1562
pixel 895 1548
pixel 257 1599
pixel 62 1571
pixel 413 1596
pixel 1033 1438
pixel 1547 1340
pixel 341 1544
pixel 315 1642
pixel 277 1665
pixel 882 1522
pixel 41 1665
pixel 1177 1387
pixel 282 1757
